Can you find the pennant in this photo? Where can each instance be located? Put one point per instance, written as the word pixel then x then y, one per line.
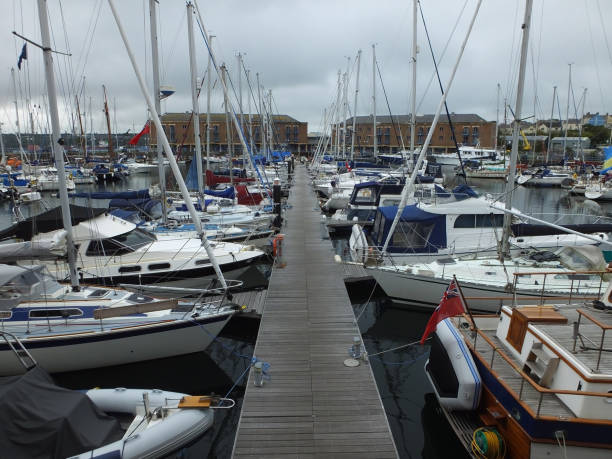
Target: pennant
pixel 145 130
pixel 23 56
pixel 450 305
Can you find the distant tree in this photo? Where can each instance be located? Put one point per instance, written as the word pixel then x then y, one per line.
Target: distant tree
pixel 597 134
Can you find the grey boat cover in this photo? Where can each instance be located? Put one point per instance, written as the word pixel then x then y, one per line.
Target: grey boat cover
pixel 41 420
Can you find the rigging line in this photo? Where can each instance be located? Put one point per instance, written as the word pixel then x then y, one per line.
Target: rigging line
pixel 397 136
pixel 450 121
pixel 89 43
pixel 512 61
pixel 595 60
pixel 450 37
pixel 171 52
pixel 603 28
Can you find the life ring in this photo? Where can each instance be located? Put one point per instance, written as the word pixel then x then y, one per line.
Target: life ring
pixel 277 244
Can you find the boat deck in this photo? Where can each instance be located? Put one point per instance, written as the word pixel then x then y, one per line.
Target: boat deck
pixel 313 405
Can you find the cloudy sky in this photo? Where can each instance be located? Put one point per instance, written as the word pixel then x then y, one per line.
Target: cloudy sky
pixel 298 46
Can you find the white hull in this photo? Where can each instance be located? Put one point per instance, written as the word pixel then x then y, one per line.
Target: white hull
pixel 78 351
pixel 426 290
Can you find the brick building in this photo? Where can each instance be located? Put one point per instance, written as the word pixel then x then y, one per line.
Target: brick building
pixel 287 133
pixel 470 129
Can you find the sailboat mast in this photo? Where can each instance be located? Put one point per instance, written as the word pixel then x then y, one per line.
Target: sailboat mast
pixel 194 100
pixel 414 82
pixel 552 113
pixel 261 123
pixel 173 165
pixel 497 118
pixel 239 58
pixel 208 95
pixel 569 87
pixel 345 106
pixel 355 106
pixel 227 126
pixel 57 142
pixel 3 160
pixel 157 100
pixel 21 152
pixel 374 133
pixel 108 126
pixel 83 141
pixel 515 132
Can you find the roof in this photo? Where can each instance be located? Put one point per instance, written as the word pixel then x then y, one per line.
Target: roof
pixel 220 117
pixel 424 119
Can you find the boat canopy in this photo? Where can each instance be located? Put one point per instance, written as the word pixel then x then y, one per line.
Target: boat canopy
pixel 23 283
pixel 417 231
pixel 49 221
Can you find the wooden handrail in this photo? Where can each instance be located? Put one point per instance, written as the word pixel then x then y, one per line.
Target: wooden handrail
pixel 530 298
pixel 524 375
pixel 603 326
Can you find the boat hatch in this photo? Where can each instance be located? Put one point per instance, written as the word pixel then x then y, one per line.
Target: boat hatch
pixel 55 313
pixel 446 261
pixel 136 298
pixel 97 293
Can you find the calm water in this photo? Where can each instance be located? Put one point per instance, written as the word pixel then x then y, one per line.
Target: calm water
pixel 417 424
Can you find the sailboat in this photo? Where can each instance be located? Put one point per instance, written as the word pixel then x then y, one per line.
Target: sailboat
pixel 491 278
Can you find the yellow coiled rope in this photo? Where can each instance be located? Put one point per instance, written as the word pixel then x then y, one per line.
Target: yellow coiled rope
pixel 488 444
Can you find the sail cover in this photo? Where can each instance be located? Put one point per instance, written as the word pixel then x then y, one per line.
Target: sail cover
pixel 49 221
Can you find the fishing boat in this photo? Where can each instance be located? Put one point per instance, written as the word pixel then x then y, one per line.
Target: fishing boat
pixel 66 330
pixel 528 381
pixel 467 154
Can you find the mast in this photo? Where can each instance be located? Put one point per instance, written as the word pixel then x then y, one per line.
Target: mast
pixel 248 72
pixel 194 101
pixel 173 165
pixel 227 126
pixel 345 106
pixel 515 132
pixel 3 160
pixel 569 87
pixel 108 127
pixel 337 117
pixel 270 122
pixel 497 118
pixel 240 102
pixel 580 152
pixel 261 120
pixel 409 186
pixel 374 133
pixel 83 140
pixel 208 94
pixel 57 143
pixel 355 106
pixel 93 139
pixel 21 152
pixel 157 100
pixel 414 82
pixel 552 113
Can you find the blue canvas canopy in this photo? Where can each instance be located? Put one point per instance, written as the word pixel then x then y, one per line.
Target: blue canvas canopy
pixel 135 194
pixel 463 192
pixel 418 231
pixel 229 193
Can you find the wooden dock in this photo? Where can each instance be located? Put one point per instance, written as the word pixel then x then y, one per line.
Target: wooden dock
pixel 313 406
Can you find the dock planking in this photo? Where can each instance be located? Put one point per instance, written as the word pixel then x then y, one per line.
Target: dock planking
pixel 313 406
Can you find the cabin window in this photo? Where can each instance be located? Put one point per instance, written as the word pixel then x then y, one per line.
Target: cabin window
pixel 202 261
pixel 156 266
pixel 6 315
pixel 412 235
pixel 378 224
pixel 130 269
pixel 97 293
pixel 364 196
pixel 55 313
pixel 465 221
pixel 120 244
pixel 390 202
pixel 488 220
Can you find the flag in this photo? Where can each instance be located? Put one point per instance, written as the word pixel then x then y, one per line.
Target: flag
pixel 23 55
pixel 607 164
pixel 450 305
pixel 348 166
pixel 145 130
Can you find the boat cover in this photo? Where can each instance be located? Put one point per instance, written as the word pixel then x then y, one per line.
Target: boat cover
pixel 530 229
pixel 134 194
pixel 464 192
pixel 50 220
pixel 42 420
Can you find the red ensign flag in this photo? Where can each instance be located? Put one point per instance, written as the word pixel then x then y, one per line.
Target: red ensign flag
pixel 145 130
pixel 450 305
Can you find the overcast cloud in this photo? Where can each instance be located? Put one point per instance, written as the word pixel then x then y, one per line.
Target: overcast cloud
pixel 298 47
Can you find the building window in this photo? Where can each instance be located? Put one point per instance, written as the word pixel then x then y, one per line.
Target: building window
pixel 420 136
pixel 387 136
pixel 215 133
pixel 475 135
pixel 441 137
pixel 184 126
pixel 441 129
pixel 295 133
pixel 257 133
pixel 466 135
pixel 287 133
pixel 172 133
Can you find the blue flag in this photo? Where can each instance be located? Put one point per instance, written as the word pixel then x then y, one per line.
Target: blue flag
pixel 23 55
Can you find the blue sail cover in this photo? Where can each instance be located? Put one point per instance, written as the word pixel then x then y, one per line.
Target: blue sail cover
pixel 229 193
pixel 192 177
pixel 135 194
pixel 463 192
pixel 417 231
